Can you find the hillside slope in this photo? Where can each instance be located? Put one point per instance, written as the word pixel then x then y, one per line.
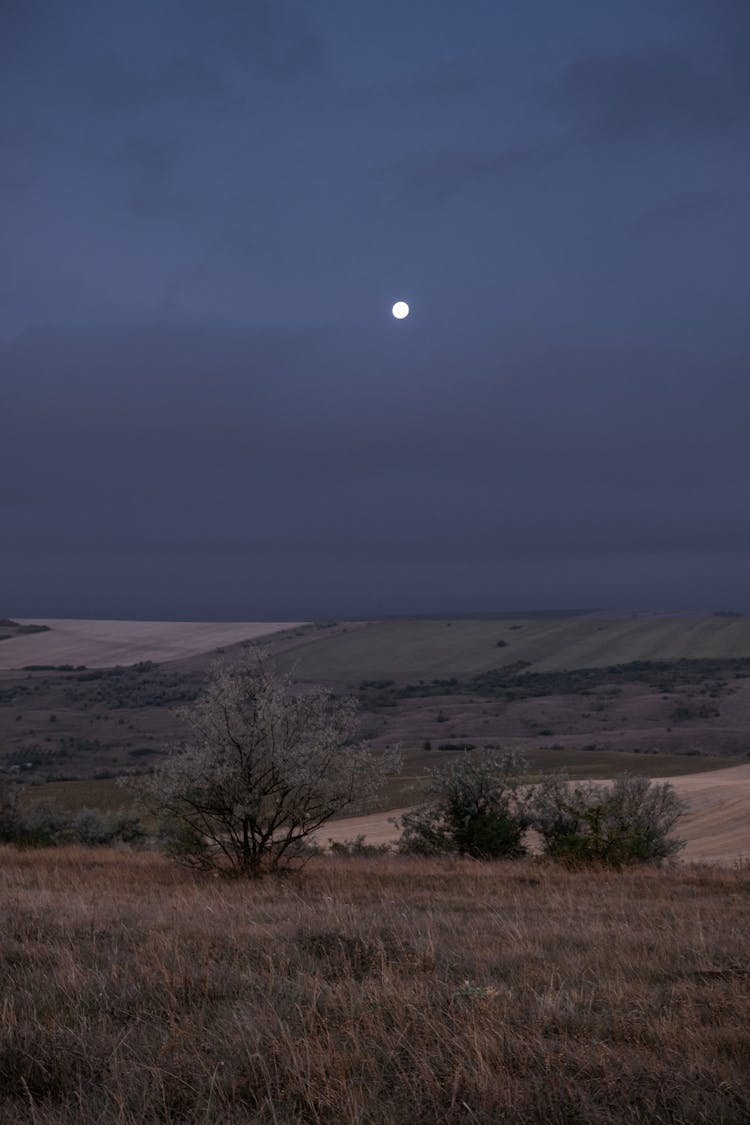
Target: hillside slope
pixel 422 649
pixel 102 644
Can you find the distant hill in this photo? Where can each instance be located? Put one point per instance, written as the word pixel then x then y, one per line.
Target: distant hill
pixel 102 644
pixel 87 699
pixel 421 649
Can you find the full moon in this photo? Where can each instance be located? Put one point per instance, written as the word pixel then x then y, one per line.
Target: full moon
pixel 400 310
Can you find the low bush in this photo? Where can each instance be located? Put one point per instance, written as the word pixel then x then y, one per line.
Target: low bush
pixel 45 827
pixel 479 808
pixel 9 812
pixel 357 848
pixel 474 808
pixel 623 823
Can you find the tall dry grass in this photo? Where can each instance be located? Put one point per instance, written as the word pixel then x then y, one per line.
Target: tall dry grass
pixel 372 991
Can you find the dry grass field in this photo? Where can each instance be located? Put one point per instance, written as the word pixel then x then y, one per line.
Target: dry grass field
pixel 101 644
pixel 372 992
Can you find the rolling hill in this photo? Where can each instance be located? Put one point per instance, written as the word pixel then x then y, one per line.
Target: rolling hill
pixel 422 649
pixel 103 644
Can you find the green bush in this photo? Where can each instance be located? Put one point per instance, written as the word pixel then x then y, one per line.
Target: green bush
pixel 45 827
pixel 476 807
pixel 623 823
pixel 357 848
pixel 9 812
pixel 42 827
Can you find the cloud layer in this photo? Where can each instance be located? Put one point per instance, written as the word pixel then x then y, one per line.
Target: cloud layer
pixel 208 212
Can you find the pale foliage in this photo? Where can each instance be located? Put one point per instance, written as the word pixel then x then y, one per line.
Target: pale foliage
pixel 265 767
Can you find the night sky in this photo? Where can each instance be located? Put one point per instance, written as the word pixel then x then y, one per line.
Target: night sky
pixel 206 213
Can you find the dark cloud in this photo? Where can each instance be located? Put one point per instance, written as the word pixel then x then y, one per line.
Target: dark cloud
pixel 277 35
pixel 649 90
pixel 206 444
pixel 662 92
pixel 728 21
pixel 212 209
pixel 231 44
pixel 428 178
pixel 110 84
pixel 449 79
pixel 92 57
pixel 28 23
pixel 699 205
pixel 696 84
pixel 152 168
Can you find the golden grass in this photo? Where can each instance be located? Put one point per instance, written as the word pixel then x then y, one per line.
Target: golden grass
pixel 371 991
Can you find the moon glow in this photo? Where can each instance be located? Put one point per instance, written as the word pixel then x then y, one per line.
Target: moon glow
pixel 400 310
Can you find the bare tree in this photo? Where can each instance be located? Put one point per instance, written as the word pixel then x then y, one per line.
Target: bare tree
pixel 264 768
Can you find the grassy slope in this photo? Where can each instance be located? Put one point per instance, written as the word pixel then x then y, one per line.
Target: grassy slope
pixel 381 991
pixel 426 649
pixel 404 649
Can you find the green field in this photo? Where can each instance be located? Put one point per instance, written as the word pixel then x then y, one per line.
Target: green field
pixel 425 649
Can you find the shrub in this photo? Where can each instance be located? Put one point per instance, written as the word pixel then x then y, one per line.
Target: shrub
pixel 42 827
pixel 264 769
pixel 9 813
pixel 475 807
pixel 626 822
pixel 94 828
pixel 45 827
pixel 357 848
